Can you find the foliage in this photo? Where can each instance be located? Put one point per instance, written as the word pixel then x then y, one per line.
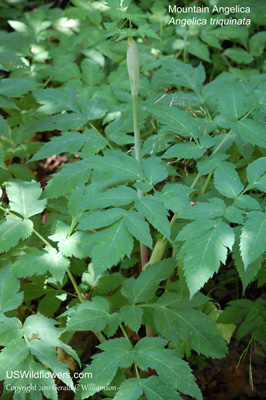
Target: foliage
pixel 70 235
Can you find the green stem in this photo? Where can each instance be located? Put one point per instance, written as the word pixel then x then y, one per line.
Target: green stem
pixel 143 248
pixel 136 128
pixel 125 334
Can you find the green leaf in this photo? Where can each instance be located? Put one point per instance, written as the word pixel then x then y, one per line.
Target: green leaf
pixel 214 208
pixel 110 245
pixel 130 389
pixel 252 132
pixel 172 371
pixel 65 181
pixel 132 316
pixel 175 196
pixel 16 87
pixel 138 228
pixel 69 142
pixel 256 174
pixel 143 288
pixel 176 120
pixel 23 198
pixel 48 355
pixel 228 184
pixel 116 353
pixel 154 389
pixel 94 108
pixel 232 102
pixel 61 122
pixel 124 166
pixel 36 262
pixel 77 245
pixel 119 196
pixel 154 170
pixel 252 240
pixel 37 375
pixel 153 209
pixel 195 328
pixel 10 329
pixel 247 275
pixel 205 246
pixel 12 355
pixel 12 229
pixel 2 158
pixel 239 55
pixel 185 150
pixel 44 328
pixel 100 219
pixel 90 315
pixel 4 128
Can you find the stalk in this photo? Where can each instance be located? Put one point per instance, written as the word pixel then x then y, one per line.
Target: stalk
pixel 133 72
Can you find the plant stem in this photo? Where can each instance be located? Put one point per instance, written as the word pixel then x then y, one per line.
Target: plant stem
pixel 99 335
pixel 143 248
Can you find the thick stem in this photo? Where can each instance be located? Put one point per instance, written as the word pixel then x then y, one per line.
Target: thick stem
pixel 143 248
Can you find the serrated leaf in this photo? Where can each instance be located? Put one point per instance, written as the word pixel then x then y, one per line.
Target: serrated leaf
pixel 153 209
pixel 252 240
pixel 252 132
pixel 61 122
pixel 194 327
pixel 16 87
pixel 130 389
pixel 36 262
pixel 48 355
pixel 100 219
pixel 119 196
pixel 138 228
pixel 116 353
pixel 12 355
pixel 66 180
pixel 78 245
pixel 256 174
pixel 44 328
pixel 214 208
pixel 4 128
pixel 205 247
pixel 185 150
pixel 10 329
pixel 154 389
pixel 172 371
pixel 144 287
pixel 12 230
pixel 228 184
pixel 31 374
pixel 110 245
pixel 2 156
pixel 178 121
pixel 175 196
pixel 90 315
pixel 132 316
pixel 94 108
pixel 126 167
pixel 23 198
pixel 154 170
pixel 232 101
pixel 247 275
pixel 69 142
